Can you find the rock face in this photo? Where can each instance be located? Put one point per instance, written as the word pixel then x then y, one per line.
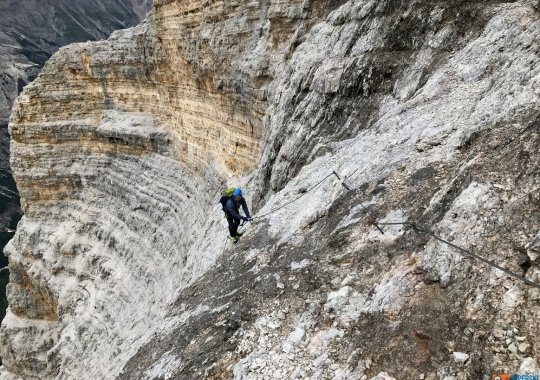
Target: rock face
pixel 30 32
pixel 428 111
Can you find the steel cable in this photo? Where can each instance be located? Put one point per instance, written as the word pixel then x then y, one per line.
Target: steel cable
pixel 413 225
pixel 295 199
pixel 464 251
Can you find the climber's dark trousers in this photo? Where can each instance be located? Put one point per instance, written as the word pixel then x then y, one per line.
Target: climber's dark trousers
pixel 233 225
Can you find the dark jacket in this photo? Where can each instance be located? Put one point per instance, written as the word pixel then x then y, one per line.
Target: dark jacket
pixel 232 206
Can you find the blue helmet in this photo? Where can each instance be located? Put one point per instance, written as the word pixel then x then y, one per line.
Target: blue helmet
pixel 237 192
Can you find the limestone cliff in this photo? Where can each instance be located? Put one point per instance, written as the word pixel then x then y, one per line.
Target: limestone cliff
pixel 429 111
pixel 30 32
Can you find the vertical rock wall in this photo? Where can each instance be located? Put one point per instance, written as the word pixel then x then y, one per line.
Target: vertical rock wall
pixel 30 32
pixel 430 112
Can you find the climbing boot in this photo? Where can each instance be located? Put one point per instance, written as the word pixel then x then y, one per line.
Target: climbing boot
pixel 233 239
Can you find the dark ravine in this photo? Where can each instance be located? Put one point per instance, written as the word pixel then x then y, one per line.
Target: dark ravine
pixel 10 207
pixel 10 213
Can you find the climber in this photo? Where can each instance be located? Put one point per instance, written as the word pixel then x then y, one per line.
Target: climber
pixel 231 202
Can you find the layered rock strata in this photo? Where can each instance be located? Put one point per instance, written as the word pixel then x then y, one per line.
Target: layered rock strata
pixel 429 111
pixel 141 136
pixel 30 32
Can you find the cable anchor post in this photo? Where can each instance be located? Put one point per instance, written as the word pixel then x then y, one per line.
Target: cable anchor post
pixel 341 181
pixel 373 222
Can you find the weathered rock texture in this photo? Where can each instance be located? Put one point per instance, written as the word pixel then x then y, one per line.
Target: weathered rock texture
pixel 30 32
pixel 120 148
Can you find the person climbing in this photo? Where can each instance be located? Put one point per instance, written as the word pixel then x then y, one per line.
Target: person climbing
pixel 231 202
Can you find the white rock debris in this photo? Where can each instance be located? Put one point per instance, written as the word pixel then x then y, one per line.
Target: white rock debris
pixel 460 357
